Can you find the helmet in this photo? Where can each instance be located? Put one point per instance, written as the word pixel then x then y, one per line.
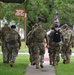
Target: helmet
pixel 36 24
pixel 65 26
pixel 13 26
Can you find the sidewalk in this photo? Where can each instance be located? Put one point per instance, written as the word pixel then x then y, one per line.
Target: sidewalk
pixel 47 70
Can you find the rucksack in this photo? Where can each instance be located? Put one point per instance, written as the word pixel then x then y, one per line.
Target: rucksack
pixel 39 35
pixel 67 36
pixel 56 36
pixel 11 37
pixel 5 30
pixel 29 35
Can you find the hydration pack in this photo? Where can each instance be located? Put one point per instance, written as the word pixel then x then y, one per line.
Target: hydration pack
pixel 11 37
pixel 56 36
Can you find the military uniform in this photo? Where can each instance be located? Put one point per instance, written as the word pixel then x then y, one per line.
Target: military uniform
pixel 13 46
pixel 29 43
pixel 54 47
pixel 67 44
pixel 5 30
pixel 38 43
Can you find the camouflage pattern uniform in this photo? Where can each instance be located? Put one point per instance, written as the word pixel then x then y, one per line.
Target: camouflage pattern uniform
pixel 29 43
pixel 30 46
pixel 13 47
pixel 54 48
pixel 5 30
pixel 38 43
pixel 50 49
pixel 67 44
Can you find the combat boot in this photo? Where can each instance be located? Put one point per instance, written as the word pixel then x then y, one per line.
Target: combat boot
pixel 33 63
pixel 5 62
pixel 67 61
pixel 41 65
pixel 64 61
pixel 37 66
pixel 11 63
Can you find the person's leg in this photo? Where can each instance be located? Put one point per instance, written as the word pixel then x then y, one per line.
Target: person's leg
pixel 41 60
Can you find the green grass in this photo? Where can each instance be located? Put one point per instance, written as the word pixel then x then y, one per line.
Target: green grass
pixel 23 46
pixel 73 49
pixel 22 62
pixel 19 68
pixel 65 69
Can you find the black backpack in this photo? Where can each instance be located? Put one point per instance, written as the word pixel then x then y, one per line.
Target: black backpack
pixel 56 36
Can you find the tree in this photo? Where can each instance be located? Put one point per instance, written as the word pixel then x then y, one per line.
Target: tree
pixel 12 1
pixel 65 10
pixel 40 11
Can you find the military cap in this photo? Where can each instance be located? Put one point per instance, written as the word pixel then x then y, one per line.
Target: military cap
pixel 13 26
pixel 55 25
pixel 36 24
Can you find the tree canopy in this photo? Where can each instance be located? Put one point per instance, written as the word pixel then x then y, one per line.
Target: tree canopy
pixel 40 11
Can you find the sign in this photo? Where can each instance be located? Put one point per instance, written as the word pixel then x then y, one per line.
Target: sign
pixel 19 13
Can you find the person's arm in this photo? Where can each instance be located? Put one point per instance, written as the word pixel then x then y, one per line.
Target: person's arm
pixel 47 40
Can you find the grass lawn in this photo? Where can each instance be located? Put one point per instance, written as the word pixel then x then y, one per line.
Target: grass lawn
pixel 72 49
pixel 65 69
pixel 19 68
pixel 23 46
pixel 22 62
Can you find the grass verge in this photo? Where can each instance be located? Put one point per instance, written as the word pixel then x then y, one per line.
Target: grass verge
pixel 19 68
pixel 65 69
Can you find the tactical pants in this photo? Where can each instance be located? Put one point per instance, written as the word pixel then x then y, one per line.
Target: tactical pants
pixel 54 56
pixel 31 58
pixel 5 53
pixel 65 54
pixel 38 52
pixel 50 51
pixel 13 52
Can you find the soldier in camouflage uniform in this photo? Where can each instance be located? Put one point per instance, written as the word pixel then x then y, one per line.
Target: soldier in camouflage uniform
pixel 29 43
pixel 67 44
pixel 4 31
pixel 50 51
pixel 13 45
pixel 55 40
pixel 38 42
